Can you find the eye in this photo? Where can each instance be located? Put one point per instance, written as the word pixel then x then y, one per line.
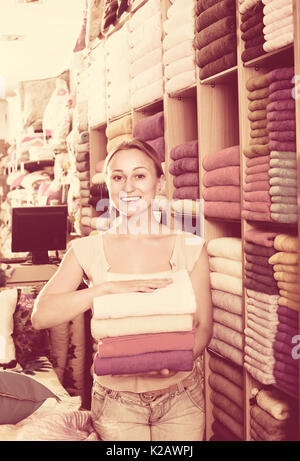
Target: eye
pixel 117 178
pixel 140 176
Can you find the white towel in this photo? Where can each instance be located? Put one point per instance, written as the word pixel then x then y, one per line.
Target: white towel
pixel 182 50
pixel 274 26
pixel 176 298
pixel 225 247
pixel 180 66
pixel 246 5
pixel 144 79
pixel 279 42
pixel 228 335
pixel 289 28
pixel 146 31
pixel 278 14
pixel 227 301
pixel 178 6
pixel 267 351
pixel 225 266
pixel 148 94
pixel 144 47
pixel 145 62
pixel 233 321
pixel 276 5
pixel 226 283
pixel 181 81
pixel 182 16
pixel 226 350
pixel 141 15
pixel 184 32
pixel 264 297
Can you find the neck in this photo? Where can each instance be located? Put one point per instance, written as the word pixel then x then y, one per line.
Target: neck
pixel 142 225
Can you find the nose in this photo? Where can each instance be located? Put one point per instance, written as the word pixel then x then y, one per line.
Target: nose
pixel 128 185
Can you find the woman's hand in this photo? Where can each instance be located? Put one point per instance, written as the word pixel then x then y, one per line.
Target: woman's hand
pixel 131 286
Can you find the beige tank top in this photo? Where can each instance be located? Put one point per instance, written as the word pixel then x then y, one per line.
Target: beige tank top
pixel 89 252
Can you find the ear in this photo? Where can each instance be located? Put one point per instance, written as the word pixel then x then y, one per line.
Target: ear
pixel 160 188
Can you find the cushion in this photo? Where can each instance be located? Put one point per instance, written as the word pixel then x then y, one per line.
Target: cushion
pixel 8 302
pixel 29 343
pixel 20 396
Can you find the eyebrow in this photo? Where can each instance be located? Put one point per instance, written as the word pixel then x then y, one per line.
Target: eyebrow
pixel 136 168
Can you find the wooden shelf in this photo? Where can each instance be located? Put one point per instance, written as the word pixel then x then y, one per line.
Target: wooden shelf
pixel 223 77
pixel 153 106
pixel 282 55
pixel 188 92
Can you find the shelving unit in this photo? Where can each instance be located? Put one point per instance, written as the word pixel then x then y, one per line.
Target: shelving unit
pixel 214 111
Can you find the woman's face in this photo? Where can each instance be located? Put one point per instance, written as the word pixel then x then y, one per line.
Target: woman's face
pixel 132 181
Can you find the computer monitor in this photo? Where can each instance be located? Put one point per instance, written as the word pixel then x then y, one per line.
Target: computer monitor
pixel 38 229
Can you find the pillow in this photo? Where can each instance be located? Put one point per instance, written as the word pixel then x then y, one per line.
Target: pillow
pixel 8 302
pixel 29 343
pixel 20 396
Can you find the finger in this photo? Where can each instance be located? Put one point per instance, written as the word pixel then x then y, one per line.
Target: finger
pixel 164 371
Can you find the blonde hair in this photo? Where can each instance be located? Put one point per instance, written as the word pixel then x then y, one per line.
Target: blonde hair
pixel 140 145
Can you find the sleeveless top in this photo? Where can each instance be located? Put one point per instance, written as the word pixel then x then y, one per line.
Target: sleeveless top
pixel 89 252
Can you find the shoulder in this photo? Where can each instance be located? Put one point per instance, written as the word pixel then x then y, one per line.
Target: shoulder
pixel 188 250
pixel 85 243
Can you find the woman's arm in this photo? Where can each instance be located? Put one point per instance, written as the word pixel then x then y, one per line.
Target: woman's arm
pixel 203 318
pixel 59 301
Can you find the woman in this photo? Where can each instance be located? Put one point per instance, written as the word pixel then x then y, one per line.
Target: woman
pixel 153 405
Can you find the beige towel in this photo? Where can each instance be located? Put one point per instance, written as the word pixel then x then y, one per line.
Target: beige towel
pixel 275 403
pixel 226 369
pixel 263 314
pixel 264 378
pixel 264 297
pixel 291 287
pixel 236 427
pixel 267 351
pixel 226 318
pixel 289 268
pixel 229 407
pixel 289 303
pixel 284 257
pixel 227 301
pixel 220 383
pixel 225 266
pixel 289 295
pixel 119 127
pixel 115 142
pixel 228 335
pixel 226 350
pixel 272 326
pixel 266 342
pixel 271 308
pixel 140 325
pixel 225 247
pixel 286 242
pixel 226 282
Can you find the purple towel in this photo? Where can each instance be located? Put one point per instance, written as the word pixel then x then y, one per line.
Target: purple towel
pixel 254 249
pixel 282 146
pixel 281 85
pixel 142 363
pixel 280 95
pixel 286 368
pixel 286 311
pixel 281 115
pixel 187 149
pixel 285 338
pixel 149 127
pixel 282 347
pixel 222 194
pixel 293 389
pixel 287 328
pixel 223 433
pixel 287 378
pixel 282 125
pixel 258 286
pixel 186 192
pixel 158 145
pixel 184 165
pixel 283 136
pixel 282 73
pixel 186 179
pixel 285 104
pixel 285 358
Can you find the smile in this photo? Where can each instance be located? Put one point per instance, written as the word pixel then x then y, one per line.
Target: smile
pixel 130 199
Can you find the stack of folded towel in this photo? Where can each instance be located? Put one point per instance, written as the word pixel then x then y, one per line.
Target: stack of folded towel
pixel 145 40
pixel 278 21
pixel 184 167
pixel 221 192
pixel 118 131
pixel 261 305
pixel 225 262
pixel 117 72
pixel 252 28
pixel 282 143
pixel 226 385
pixel 215 39
pixel 285 263
pixel 150 129
pixel 142 332
pixel 179 55
pixel 82 156
pixel 97 88
pixel 257 201
pixel 273 417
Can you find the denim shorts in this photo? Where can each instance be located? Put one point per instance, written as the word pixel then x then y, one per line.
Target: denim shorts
pixel 125 416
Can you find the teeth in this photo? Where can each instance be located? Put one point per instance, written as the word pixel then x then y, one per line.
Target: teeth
pixel 130 199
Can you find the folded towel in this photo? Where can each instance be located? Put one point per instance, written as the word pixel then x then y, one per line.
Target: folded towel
pixel 271 317
pixel 257 177
pixel 267 351
pixel 226 282
pixel 257 186
pixel 262 270
pixel 119 127
pixel 286 277
pixel 214 31
pixel 257 161
pixel 257 83
pixel 144 63
pixel 260 93
pixel 225 247
pixel 279 116
pixel 222 158
pixel 290 268
pixel 158 145
pixel 228 210
pixel 247 6
pixel 282 105
pixel 225 266
pixel 279 42
pixel 256 215
pixel 274 15
pixel 181 81
pixel 286 242
pixel 261 132
pixel 162 301
pixel 259 207
pixel 186 179
pixel 221 193
pixel 227 176
pixel 262 377
pixel 253 151
pixel 180 34
pixel 265 342
pixel 229 371
pixel 283 136
pixel 188 149
pixel 275 403
pixel 263 297
pixel 261 260
pixel 227 350
pixel 289 303
pixel 183 165
pixel 214 13
pixel 284 208
pixel 257 196
pixel 143 363
pixel 283 155
pixel 268 426
pixel 180 66
pixel 284 173
pixel 253 31
pixel 281 84
pixel 254 125
pixel 180 51
pixel 222 433
pixel 286 182
pixel 283 190
pixel 226 386
pixel 229 407
pixel 227 61
pixel 151 127
pixel 216 49
pixel 115 142
pixel 228 335
pixel 259 286
pixel 256 249
pixel 236 427
pixel 262 140
pixel 140 325
pixel 252 20
pixel 289 294
pixel 281 163
pixel 227 301
pixel 186 192
pixel 129 345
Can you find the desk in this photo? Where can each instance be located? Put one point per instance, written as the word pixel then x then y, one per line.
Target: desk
pixel 27 274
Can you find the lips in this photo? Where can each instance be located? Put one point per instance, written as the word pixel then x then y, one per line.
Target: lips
pixel 130 199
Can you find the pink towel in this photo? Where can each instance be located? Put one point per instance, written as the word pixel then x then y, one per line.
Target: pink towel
pixel 257 161
pixel 257 185
pixel 257 196
pixel 151 127
pixel 228 210
pixel 282 115
pixel 142 363
pixel 281 85
pixel 283 136
pixel 262 168
pixel 183 165
pixel 186 192
pixel 256 216
pixel 261 207
pixel 282 146
pixel 188 149
pixel 283 125
pixel 257 177
pixel 282 73
pixel 223 158
pixel 260 237
pixel 227 176
pixel 158 145
pixel 131 344
pixel 285 104
pixel 280 95
pixel 222 194
pixel 186 179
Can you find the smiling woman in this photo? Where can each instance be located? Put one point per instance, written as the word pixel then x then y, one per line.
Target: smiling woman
pixel 150 292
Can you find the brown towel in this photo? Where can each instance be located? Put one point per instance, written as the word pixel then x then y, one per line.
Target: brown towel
pixel 216 49
pixel 253 31
pixel 252 21
pixel 258 104
pixel 259 269
pixel 252 52
pixel 219 65
pixel 256 83
pixel 260 250
pixel 258 124
pixel 218 11
pixel 214 31
pixel 260 93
